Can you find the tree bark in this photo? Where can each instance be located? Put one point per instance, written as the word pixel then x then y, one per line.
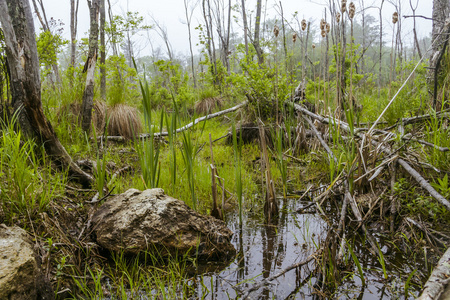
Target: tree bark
pixel 244 17
pixel 188 22
pixel 23 63
pixel 381 47
pixel 439 278
pixel 441 10
pixel 102 51
pixel 73 30
pixel 89 67
pixel 256 44
pixel 45 27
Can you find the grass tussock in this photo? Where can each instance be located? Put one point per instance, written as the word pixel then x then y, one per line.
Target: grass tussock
pixel 207 105
pixel 71 113
pixel 124 121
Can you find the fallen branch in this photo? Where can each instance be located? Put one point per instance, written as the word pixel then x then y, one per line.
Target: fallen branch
pixel 439 278
pixel 266 281
pixel 425 230
pixel 417 119
pixel 348 198
pixel 439 148
pixel 422 181
pixel 117 173
pixel 196 121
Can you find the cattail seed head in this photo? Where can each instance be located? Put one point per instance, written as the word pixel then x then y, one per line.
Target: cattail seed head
pixel 351 10
pixel 314 46
pixel 328 27
pixel 395 17
pixel 338 17
pixel 322 24
pixel 323 33
pixel 276 30
pixel 343 6
pixel 294 38
pixel 303 25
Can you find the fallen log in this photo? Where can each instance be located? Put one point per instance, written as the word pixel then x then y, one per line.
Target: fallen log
pixel 438 280
pixel 187 126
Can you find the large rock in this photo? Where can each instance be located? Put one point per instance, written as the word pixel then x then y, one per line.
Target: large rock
pixel 137 221
pixel 20 274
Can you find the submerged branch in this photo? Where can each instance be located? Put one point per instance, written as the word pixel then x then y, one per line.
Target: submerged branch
pixel 266 281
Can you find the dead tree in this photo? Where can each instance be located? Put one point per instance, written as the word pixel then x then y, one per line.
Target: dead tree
pixel 21 50
pixel 211 49
pixel 256 44
pixel 45 26
pixel 89 67
pixel 416 40
pixel 381 47
pixel 188 23
pixel 439 42
pixel 73 32
pixel 102 51
pixel 244 17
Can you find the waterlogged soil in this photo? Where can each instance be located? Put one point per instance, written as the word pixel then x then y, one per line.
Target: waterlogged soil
pixel 265 250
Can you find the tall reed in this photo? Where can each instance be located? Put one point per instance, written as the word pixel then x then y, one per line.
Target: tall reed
pixel 148 152
pixel 281 163
pixel 171 125
pixel 237 147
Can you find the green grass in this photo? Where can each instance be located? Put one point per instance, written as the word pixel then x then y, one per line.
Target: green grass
pixel 27 182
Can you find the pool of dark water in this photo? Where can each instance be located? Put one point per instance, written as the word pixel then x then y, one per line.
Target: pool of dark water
pixel 265 250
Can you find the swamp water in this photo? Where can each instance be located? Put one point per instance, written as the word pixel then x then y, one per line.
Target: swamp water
pixel 265 250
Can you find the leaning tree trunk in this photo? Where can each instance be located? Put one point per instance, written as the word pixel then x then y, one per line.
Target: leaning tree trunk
pixel 23 63
pixel 441 10
pixel 89 67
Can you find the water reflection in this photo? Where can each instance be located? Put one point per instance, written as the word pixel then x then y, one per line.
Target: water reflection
pixel 264 250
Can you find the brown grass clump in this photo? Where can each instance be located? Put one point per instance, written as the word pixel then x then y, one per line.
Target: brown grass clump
pixel 71 113
pixel 124 121
pixel 207 105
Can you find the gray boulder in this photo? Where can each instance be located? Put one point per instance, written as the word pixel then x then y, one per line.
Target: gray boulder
pixel 20 274
pixel 138 221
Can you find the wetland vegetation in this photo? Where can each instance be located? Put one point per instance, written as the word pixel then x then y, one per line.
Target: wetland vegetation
pixel 322 147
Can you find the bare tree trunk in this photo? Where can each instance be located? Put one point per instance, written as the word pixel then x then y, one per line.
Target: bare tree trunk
pixel 23 62
pixel 210 39
pixel 256 44
pixel 284 34
pixel 188 22
pixel 363 25
pixel 441 9
pixel 73 31
pixel 102 51
pixel 416 41
pixel 381 47
pixel 227 54
pixel 45 27
pixel 89 67
pixel 244 17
